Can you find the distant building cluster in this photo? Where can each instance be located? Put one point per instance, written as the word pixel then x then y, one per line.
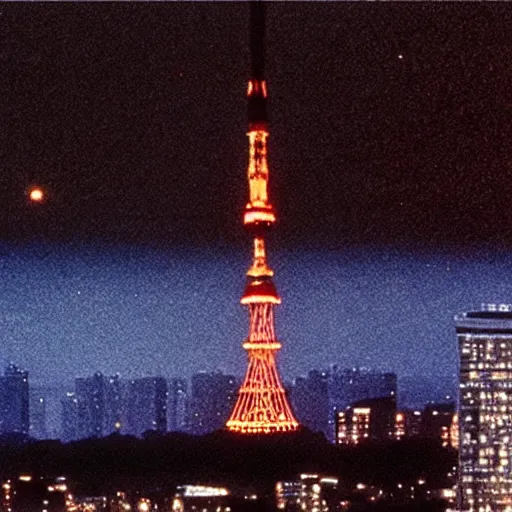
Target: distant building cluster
pixel 100 405
pixel 321 396
pixel 348 406
pixel 377 419
pixel 352 406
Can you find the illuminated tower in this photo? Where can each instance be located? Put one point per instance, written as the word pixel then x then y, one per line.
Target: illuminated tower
pixel 262 406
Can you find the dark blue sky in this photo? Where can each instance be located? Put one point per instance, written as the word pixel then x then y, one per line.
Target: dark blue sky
pixel 390 158
pixel 72 311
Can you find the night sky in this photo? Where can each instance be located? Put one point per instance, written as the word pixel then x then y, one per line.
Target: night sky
pixel 391 171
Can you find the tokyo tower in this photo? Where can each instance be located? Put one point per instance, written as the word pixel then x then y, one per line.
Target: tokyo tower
pixel 262 406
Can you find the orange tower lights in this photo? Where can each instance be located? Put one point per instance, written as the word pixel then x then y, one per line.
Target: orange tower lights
pixel 262 406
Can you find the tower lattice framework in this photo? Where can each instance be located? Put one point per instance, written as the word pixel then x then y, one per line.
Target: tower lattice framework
pixel 262 405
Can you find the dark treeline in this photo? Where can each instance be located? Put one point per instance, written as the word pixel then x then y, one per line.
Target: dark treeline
pixel 160 462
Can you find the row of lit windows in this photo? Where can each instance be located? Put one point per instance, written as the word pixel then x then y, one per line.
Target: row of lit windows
pixel 487 365
pixel 482 472
pixel 481 351
pixel 501 371
pixel 489 347
pixel 490 450
pixel 496 393
pixel 479 341
pixel 482 491
pixel 498 411
pixel 489 419
pixel 476 342
pixel 491 381
pixel 494 479
pixel 483 438
pixel 484 461
pixel 492 420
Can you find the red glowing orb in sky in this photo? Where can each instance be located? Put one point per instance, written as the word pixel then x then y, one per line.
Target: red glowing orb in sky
pixel 36 195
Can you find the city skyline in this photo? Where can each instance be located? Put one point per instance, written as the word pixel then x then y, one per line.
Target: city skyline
pixel 390 169
pixel 98 405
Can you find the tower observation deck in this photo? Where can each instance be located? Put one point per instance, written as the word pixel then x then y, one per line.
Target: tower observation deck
pixel 262 405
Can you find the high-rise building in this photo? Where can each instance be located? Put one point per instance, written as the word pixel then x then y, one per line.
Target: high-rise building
pixel 99 405
pixel 408 423
pixel 310 399
pixel 90 396
pixel 347 386
pixel 437 422
pixel 14 401
pixel 31 493
pixel 177 406
pixel 114 404
pixel 53 395
pixel 146 406
pixel 69 417
pixel 37 414
pixel 262 405
pixel 212 398
pixel 485 409
pixel 367 420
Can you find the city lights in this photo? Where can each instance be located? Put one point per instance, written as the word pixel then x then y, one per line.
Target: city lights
pixel 309 492
pixel 144 505
pixel 203 491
